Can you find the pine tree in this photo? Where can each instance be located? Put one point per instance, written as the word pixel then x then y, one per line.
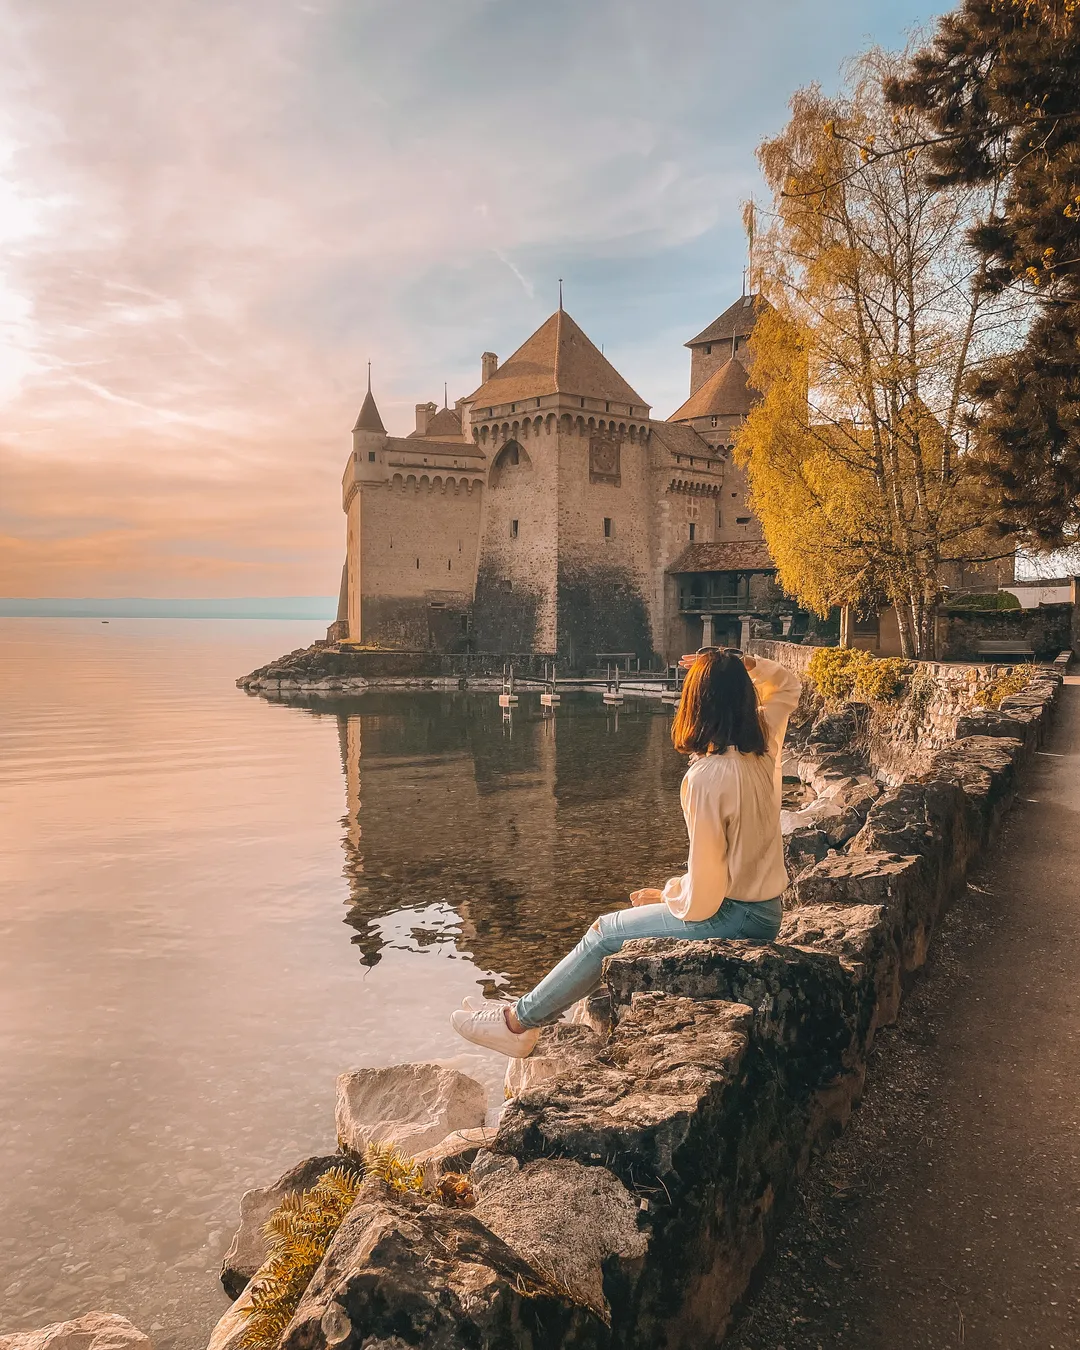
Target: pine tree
pixel 999 85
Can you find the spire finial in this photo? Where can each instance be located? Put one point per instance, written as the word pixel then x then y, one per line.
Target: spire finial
pixel 444 402
pixel 560 294
pixel 369 377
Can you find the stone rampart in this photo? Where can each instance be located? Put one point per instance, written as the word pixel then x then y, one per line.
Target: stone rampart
pixel 634 1185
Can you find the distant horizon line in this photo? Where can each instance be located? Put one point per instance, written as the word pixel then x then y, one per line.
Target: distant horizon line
pixel 315 607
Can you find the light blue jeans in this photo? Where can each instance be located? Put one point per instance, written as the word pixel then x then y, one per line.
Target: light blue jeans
pixel 578 973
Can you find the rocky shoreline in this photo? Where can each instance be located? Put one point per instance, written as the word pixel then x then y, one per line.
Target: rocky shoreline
pixel 642 1160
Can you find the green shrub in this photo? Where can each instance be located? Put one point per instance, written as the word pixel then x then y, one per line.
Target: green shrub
pixel 1005 685
pixel 832 671
pixel 848 673
pixel 985 600
pixel 881 680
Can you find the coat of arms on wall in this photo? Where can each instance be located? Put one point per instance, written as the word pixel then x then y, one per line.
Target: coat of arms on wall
pixel 604 460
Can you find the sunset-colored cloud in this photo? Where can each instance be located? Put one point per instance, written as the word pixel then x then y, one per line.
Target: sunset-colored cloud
pixel 214 212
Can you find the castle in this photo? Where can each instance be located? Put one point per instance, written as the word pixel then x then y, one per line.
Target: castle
pixel 549 513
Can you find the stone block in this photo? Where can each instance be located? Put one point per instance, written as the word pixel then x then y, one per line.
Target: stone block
pixel 805 1008
pixel 869 941
pixel 561 1048
pixel 805 846
pixel 901 886
pixel 92 1331
pixel 567 1220
pixel 414 1106
pixel 249 1246
pixel 415 1275
pixel 927 820
pixel 985 768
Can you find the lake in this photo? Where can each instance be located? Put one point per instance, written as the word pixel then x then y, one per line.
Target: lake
pixel 211 905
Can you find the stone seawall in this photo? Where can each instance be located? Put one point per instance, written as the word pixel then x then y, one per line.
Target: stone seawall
pixel 636 1179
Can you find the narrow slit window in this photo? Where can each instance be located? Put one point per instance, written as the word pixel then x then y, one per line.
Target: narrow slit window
pixel 607 527
pixel 693 531
pixel 513 529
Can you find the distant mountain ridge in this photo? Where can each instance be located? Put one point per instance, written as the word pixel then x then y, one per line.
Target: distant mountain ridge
pixel 322 607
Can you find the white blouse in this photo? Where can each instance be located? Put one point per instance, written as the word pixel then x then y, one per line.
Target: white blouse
pixel 731 804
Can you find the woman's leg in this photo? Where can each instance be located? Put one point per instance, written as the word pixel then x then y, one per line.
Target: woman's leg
pixel 578 973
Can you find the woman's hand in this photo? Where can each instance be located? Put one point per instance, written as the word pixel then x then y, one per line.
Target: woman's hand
pixel 649 896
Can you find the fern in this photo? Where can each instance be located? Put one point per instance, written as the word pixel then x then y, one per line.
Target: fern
pixel 299 1232
pixel 303 1226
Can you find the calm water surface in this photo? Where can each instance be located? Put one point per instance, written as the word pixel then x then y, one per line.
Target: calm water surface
pixel 210 905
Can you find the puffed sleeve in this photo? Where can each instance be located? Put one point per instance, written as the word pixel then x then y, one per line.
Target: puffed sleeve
pixel 701 890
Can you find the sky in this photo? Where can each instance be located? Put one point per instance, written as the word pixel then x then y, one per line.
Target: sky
pixel 214 213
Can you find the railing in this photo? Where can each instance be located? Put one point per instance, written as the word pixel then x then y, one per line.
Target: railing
pixel 714 604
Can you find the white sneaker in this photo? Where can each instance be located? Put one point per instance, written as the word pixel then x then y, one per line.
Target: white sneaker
pixel 475 1002
pixel 487 1026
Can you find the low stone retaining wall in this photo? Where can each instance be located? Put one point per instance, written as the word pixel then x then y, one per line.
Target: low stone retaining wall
pixel 331 670
pixel 637 1177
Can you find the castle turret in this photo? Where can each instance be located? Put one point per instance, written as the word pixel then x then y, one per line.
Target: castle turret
pixel 369 440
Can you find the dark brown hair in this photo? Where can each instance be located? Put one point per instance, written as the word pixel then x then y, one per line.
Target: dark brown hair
pixel 718 708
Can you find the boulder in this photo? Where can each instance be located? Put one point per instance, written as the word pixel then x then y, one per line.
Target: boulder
pixel 455 1153
pixel 92 1331
pixel 414 1106
pixel 564 1219
pixel 228 1333
pixel 901 886
pixel 407 1274
pixel 249 1247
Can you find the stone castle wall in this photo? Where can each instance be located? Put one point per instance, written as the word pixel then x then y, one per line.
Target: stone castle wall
pixel 417 550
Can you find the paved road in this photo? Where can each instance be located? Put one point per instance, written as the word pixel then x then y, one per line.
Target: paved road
pixel 949 1215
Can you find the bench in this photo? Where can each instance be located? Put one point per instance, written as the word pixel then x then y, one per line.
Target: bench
pixel 1009 650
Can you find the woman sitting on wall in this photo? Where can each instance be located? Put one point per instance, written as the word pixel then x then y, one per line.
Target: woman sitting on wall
pixel 731 722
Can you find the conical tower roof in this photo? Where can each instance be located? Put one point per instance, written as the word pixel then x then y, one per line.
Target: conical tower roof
pixel 558 359
pixel 736 321
pixel 726 393
pixel 368 418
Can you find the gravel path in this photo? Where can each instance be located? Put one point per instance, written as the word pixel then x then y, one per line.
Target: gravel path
pixel 949 1213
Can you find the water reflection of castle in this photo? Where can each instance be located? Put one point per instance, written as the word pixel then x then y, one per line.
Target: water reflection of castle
pixel 527 837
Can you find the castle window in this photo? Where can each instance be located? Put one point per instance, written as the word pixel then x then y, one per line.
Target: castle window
pixel 678 459
pixel 708 349
pixel 538 403
pixel 607 527
pixel 607 407
pixel 464 623
pixel 418 564
pixel 719 521
pixel 583 403
pixel 714 420
pixel 691 461
pixel 693 530
pixel 371 456
pixel 448 564
pixel 513 529
pixel 742 520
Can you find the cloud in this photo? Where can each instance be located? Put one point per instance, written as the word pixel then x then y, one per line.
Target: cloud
pixel 214 212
